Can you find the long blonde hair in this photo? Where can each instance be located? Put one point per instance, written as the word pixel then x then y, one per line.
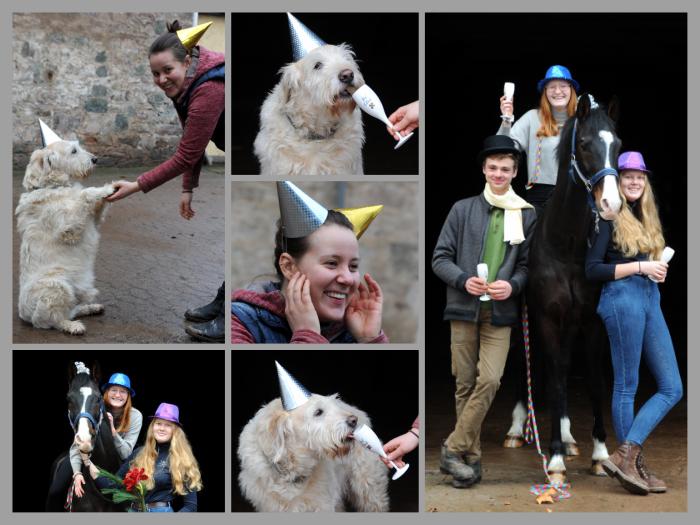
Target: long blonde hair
pixel 632 235
pixel 549 124
pixel 184 469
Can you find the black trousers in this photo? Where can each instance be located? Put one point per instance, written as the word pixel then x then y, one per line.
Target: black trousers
pixel 538 195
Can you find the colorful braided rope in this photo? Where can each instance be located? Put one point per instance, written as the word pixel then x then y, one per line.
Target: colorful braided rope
pixel 531 432
pixel 69 499
pixel 538 165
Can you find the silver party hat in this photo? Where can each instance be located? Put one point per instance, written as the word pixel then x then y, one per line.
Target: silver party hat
pixel 303 39
pixel 293 394
pixel 47 135
pixel 301 215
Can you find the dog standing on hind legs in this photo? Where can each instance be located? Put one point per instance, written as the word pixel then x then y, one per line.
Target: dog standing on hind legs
pixel 58 221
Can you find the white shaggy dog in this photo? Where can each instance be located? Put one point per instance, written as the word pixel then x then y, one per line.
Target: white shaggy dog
pixel 58 221
pixel 304 460
pixel 309 123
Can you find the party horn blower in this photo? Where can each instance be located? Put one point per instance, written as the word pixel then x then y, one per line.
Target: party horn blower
pixel 369 439
pixel 369 102
pixel 666 256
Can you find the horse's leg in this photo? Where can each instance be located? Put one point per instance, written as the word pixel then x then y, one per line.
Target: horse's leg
pixel 594 353
pixel 556 366
pixel 515 435
pixel 570 446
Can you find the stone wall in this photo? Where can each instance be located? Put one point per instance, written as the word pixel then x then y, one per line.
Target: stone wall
pixel 87 76
pixel 388 250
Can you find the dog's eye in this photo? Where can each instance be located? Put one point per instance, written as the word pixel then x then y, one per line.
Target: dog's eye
pixel 318 65
pixel 318 412
pixel 74 151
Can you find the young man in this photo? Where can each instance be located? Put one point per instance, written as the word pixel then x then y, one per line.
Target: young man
pixel 494 227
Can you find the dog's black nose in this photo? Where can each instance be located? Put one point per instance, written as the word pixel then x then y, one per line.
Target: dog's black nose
pixel 94 160
pixel 352 421
pixel 346 76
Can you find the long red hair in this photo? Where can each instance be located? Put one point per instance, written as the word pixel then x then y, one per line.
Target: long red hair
pixel 549 124
pixel 125 420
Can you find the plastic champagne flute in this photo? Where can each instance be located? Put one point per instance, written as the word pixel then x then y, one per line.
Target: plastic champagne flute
pixel 665 257
pixel 369 102
pixel 482 270
pixel 369 439
pixel 508 91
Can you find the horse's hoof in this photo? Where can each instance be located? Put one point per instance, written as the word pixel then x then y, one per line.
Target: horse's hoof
pixel 557 478
pixel 513 442
pixel 571 449
pixel 597 469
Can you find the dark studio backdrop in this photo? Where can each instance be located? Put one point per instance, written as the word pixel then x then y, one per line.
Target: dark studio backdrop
pixel 192 380
pixel 641 58
pixel 386 49
pixel 383 383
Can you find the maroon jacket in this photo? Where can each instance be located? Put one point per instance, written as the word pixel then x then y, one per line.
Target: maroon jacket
pixel 205 106
pixel 273 302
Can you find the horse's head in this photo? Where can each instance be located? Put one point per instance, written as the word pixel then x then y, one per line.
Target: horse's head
pixel 593 152
pixel 85 406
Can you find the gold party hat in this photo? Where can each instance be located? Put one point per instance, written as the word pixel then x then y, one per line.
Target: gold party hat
pixel 361 217
pixel 191 35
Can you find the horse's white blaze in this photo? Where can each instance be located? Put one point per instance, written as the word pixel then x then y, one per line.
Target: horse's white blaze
pixel 519 417
pixel 565 425
pixel 556 464
pixel 607 138
pixel 83 432
pixel 600 451
pixel 610 201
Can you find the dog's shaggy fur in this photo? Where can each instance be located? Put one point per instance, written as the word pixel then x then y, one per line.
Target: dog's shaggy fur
pixel 304 461
pixel 58 221
pixel 309 123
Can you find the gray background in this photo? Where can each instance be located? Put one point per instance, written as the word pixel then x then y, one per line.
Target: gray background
pixel 34 421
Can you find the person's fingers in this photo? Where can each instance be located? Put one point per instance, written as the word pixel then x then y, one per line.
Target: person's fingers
pixel 306 292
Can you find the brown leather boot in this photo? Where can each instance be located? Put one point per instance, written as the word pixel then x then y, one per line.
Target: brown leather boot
pixel 623 465
pixel 656 485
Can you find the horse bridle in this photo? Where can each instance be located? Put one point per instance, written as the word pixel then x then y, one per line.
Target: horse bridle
pixel 95 424
pixel 588 183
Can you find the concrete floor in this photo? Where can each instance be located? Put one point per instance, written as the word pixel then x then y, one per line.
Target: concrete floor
pixel 509 473
pixel 151 265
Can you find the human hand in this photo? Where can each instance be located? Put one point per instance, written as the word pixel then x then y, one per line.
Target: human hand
pixel 363 316
pixel 405 119
pixel 476 286
pixel 110 418
pixel 186 211
pixel 655 269
pixel 500 290
pixel 123 188
pixel 506 106
pixel 398 447
pixel 298 308
pixel 78 482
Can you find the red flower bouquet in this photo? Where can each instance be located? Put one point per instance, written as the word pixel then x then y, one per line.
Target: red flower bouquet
pixel 130 488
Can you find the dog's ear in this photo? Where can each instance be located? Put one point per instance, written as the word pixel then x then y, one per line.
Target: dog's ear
pixel 275 442
pixel 37 168
pixel 291 79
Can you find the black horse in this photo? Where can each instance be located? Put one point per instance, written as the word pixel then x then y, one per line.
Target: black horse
pixel 561 301
pixel 93 435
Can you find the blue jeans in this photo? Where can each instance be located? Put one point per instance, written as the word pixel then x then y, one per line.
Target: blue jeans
pixel 161 509
pixel 631 311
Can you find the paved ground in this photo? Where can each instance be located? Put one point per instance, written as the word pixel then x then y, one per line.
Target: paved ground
pixel 151 266
pixel 509 473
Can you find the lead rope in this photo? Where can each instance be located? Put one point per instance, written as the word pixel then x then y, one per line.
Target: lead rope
pixel 531 432
pixel 69 498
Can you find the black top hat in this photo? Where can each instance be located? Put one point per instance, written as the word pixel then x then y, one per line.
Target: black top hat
pixel 497 144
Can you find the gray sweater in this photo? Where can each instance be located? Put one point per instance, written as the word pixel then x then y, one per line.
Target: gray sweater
pixel 524 133
pixel 124 443
pixel 460 248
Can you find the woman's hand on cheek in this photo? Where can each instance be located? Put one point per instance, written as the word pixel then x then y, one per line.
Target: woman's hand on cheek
pixel 299 309
pixel 363 316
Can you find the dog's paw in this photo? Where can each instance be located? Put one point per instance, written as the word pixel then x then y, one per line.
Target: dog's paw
pixel 73 327
pixel 108 189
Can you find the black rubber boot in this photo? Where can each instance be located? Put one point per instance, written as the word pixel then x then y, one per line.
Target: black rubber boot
pixel 208 311
pixel 209 332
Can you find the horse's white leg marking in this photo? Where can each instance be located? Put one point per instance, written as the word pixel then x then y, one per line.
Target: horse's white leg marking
pixel 556 464
pixel 519 417
pixel 600 451
pixel 565 425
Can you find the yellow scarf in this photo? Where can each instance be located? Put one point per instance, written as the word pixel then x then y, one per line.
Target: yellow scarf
pixel 513 205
